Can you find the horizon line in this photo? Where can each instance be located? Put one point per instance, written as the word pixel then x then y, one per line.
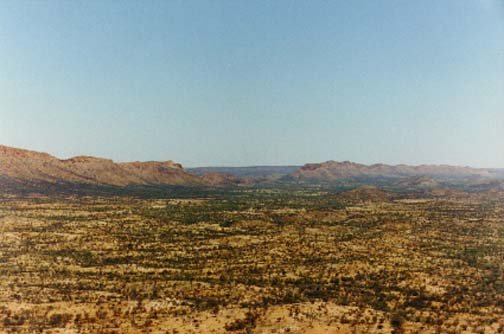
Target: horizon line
pixel 218 165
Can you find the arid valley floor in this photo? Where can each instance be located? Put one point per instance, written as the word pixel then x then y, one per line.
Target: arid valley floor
pixel 253 261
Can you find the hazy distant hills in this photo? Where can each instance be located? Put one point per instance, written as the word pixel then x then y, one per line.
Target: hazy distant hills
pixel 23 168
pixel 251 171
pixel 333 170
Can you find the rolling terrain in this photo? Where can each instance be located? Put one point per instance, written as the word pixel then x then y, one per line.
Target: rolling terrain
pixel 88 245
pixel 30 170
pixel 333 171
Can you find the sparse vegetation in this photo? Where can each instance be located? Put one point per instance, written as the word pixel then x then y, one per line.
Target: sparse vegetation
pixel 253 261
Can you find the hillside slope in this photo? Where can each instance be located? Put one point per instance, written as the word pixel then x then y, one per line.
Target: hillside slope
pixel 331 171
pixel 24 166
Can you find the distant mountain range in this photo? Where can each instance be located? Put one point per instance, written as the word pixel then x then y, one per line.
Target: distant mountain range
pixel 23 168
pixel 251 171
pixel 333 171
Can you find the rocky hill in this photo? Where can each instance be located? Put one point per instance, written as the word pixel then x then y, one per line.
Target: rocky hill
pixel 331 171
pixel 24 166
pixel 21 168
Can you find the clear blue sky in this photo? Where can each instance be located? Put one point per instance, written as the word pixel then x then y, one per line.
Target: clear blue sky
pixel 255 82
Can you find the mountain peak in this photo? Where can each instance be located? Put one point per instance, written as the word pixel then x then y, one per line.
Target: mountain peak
pixel 7 151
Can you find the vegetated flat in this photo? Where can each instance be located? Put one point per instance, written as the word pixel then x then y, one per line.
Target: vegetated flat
pixel 254 261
